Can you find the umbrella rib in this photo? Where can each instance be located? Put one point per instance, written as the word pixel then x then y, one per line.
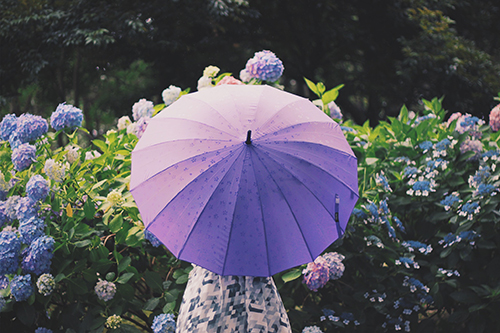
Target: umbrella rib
pixel 269 148
pixel 290 208
pixel 263 222
pixel 194 224
pixel 180 140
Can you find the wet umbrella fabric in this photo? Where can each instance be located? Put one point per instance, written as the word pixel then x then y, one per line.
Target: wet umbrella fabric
pixel 244 180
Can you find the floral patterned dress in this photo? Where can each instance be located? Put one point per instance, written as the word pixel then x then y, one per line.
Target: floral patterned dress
pixel 214 303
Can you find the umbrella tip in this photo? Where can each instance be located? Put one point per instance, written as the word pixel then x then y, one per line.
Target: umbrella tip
pixel 249 135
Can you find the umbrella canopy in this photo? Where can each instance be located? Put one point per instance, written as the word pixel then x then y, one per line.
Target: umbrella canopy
pixel 244 179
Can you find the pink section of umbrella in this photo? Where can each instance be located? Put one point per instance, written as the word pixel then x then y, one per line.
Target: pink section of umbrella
pixel 244 180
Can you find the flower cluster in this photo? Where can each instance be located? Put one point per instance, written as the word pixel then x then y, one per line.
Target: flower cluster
pixel 451 239
pixel 335 112
pixel 381 180
pixel 171 94
pixel 469 209
pixel 312 329
pixel 421 187
pixel 324 268
pixel 43 330
pixel 23 155
pixel 45 284
pixel 164 323
pixel 415 245
pixel 407 262
pixel 105 290
pixel 142 109
pixel 37 188
pixel 450 200
pixel 472 145
pixel 264 66
pixel 54 170
pixel 448 272
pixel 495 118
pixel 38 256
pixel 66 117
pixel 148 235
pixel 114 322
pixel 21 287
pixel 10 247
pixel 114 198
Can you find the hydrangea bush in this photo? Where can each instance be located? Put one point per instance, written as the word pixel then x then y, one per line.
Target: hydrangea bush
pixel 419 253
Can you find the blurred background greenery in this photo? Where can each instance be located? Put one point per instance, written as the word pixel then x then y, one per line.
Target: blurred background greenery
pixel 104 55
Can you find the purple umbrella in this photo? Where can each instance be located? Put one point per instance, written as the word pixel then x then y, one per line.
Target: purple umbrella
pixel 244 180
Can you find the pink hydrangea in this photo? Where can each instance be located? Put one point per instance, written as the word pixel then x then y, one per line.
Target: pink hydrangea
pixel 495 118
pixel 472 145
pixel 316 274
pixel 453 117
pixel 229 80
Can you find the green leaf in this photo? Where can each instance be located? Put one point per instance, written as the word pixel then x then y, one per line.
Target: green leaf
pixel 26 313
pixel 124 264
pixel 101 144
pixel 124 278
pixel 83 243
pixel 182 279
pixel 312 86
pixel 329 96
pixel 89 209
pixel 151 304
pixel 153 280
pixel 116 223
pixel 169 307
pixel 291 275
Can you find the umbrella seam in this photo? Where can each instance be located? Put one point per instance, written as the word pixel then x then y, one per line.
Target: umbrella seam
pixel 194 224
pixel 346 185
pixel 180 140
pixel 263 222
pixel 288 204
pixel 176 163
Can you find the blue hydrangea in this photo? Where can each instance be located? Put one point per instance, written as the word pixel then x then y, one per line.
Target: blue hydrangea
pixel 485 189
pixel 105 290
pixel 442 145
pixel 43 330
pixel 469 209
pixel 390 229
pixel 23 156
pixel 493 154
pixel 10 247
pixel 66 117
pixel 4 218
pixel 164 323
pixel 449 200
pixel 423 118
pixel 373 210
pixel 399 224
pixel 359 213
pixel 21 287
pixel 45 284
pixel 425 146
pixel 31 229
pixel 37 188
pixel 148 235
pixel 335 266
pixel 30 127
pixel 412 245
pixel 407 262
pixel 38 256
pixel 381 180
pixel 8 126
pixel 4 282
pixel 468 235
pixel 469 121
pixel 410 171
pixel 265 66
pixel 384 207
pixel 449 240
pixel 26 209
pixel 10 206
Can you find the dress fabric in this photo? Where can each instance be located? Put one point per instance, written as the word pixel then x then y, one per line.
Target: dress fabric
pixel 225 304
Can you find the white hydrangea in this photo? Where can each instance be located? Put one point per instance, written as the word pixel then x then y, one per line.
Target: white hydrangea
pixel 72 154
pixel 204 82
pixel 124 122
pixel 171 94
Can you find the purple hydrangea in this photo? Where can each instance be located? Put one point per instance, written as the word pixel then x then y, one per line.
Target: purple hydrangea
pixel 164 323
pixel 316 274
pixel 141 126
pixel 38 256
pixel 8 126
pixel 10 247
pixel 43 330
pixel 26 208
pixel 475 146
pixel 105 290
pixel 31 229
pixel 37 188
pixel 4 282
pixel 10 207
pixel 265 66
pixel 66 116
pixel 23 156
pixel 335 266
pixel 148 235
pixel 4 218
pixel 30 127
pixel 21 287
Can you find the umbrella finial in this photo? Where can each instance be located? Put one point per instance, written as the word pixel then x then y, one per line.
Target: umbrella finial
pixel 249 140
